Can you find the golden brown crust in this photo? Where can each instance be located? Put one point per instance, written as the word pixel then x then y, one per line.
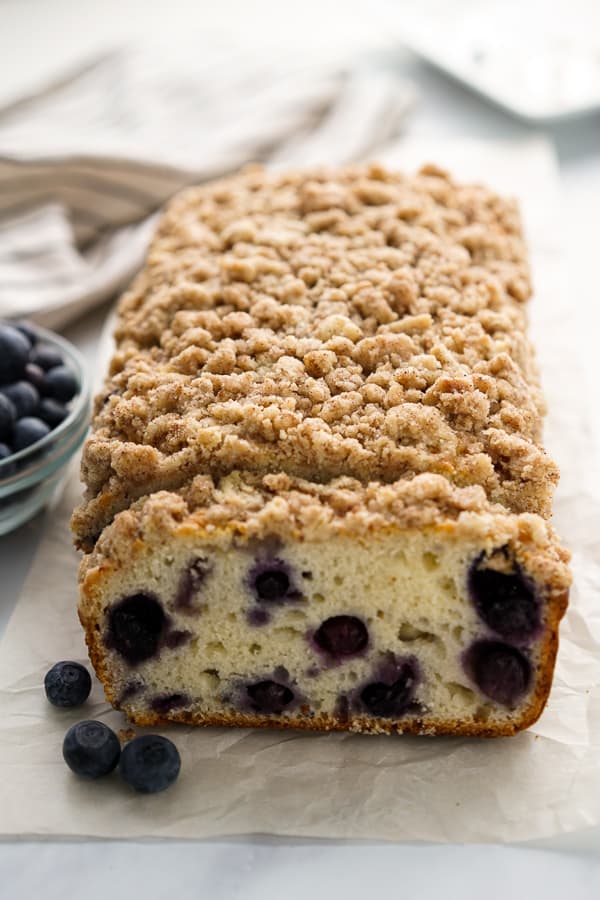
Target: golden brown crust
pixel 352 322
pixel 243 507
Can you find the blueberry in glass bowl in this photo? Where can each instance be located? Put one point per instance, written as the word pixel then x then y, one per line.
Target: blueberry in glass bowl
pixel 44 411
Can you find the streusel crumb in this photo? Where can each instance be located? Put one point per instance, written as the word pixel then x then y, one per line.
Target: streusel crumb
pixel 355 322
pixel 249 508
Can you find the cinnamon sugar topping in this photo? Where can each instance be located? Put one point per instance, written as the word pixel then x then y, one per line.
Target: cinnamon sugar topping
pixel 351 322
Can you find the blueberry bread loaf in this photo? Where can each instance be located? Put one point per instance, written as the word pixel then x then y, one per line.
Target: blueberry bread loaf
pixel 316 494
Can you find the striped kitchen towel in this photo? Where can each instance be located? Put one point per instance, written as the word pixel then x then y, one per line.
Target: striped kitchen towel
pixel 86 163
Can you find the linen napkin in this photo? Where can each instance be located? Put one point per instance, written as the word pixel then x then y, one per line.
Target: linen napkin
pixel 86 162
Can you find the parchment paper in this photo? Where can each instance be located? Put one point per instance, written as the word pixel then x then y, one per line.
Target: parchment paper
pixel 536 785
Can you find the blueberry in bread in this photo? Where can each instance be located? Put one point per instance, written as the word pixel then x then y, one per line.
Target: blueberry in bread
pixel 316 493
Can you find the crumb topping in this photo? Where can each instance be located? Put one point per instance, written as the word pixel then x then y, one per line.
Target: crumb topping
pixel 243 508
pixel 347 322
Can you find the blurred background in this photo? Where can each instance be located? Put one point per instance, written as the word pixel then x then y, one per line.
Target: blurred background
pixel 204 86
pixel 541 39
pixel 176 91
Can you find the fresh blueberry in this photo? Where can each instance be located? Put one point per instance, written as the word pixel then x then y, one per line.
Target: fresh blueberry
pixel 36 376
pixel 14 350
pixel 135 627
pixel 28 431
pixel 506 602
pixel 342 636
pixel 8 417
pixel 500 671
pixel 7 469
pixel 61 384
pixel 29 331
pixel 150 763
pixel 67 684
pixel 91 749
pixel 192 579
pixel 46 357
pixel 23 396
pixel 51 412
pixel 269 696
pixel 391 699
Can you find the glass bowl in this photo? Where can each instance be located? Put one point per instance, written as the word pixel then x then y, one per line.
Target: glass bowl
pixel 30 478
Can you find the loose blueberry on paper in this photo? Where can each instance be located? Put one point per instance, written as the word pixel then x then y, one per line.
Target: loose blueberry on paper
pixel 35 388
pixel 91 749
pixel 67 684
pixel 150 763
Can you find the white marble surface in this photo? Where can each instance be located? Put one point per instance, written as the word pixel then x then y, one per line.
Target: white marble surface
pixel 269 870
pixel 38 34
